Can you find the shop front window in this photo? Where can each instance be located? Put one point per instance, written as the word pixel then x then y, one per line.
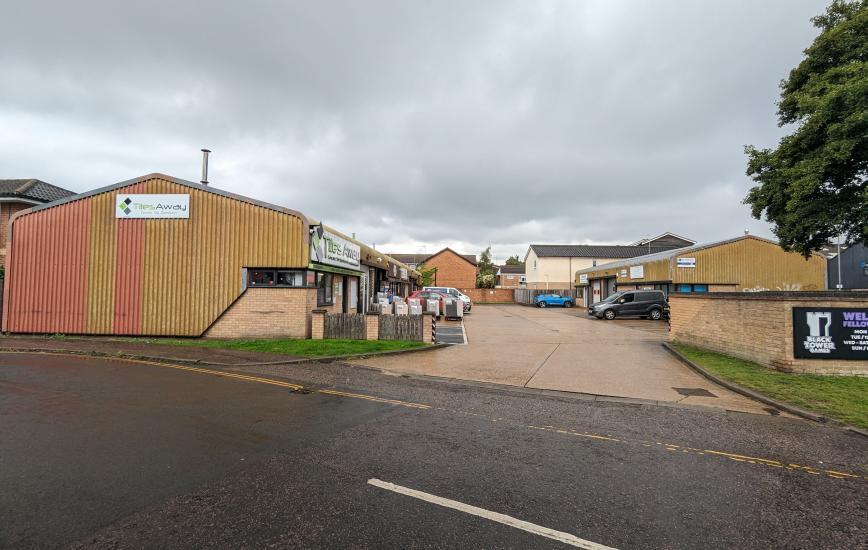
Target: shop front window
pixel 324 289
pixel 285 278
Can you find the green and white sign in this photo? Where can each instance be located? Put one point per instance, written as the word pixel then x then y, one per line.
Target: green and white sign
pixel 330 249
pixel 152 206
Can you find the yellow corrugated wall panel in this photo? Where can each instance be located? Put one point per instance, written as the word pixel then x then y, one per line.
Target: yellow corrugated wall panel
pixel 101 264
pixel 754 264
pixel 192 268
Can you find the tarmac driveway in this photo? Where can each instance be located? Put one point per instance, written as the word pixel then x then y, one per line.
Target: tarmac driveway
pixel 562 349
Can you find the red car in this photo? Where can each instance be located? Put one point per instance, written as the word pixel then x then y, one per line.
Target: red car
pixel 424 295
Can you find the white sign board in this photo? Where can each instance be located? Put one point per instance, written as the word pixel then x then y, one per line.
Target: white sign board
pixel 583 278
pixel 152 206
pixel 685 262
pixel 404 274
pixel 637 272
pixel 623 273
pixel 330 249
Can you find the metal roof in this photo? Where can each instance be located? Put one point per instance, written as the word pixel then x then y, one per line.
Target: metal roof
pixel 669 254
pixel 33 189
pixel 592 250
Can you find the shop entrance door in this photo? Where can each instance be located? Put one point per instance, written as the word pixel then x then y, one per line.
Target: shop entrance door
pixel 596 291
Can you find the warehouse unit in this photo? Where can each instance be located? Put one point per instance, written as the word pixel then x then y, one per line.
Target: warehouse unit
pixel 161 256
pixel 746 263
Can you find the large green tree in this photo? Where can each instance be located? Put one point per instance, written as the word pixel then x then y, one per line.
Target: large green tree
pixel 514 260
pixel 812 187
pixel 486 271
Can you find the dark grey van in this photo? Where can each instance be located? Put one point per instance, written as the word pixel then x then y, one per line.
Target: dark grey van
pixel 632 303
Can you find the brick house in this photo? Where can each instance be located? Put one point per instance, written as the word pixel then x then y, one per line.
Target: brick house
pixel 453 269
pixel 511 276
pixel 16 195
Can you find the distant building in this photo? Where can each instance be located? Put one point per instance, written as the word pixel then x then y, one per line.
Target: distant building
pixel 511 276
pixel 453 269
pixel 17 195
pixel 854 268
pixel 553 266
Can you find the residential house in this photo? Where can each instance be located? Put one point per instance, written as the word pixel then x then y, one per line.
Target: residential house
pixel 19 194
pixel 511 276
pixel 453 269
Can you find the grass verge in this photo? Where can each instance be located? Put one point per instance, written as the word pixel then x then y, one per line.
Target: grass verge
pixel 843 398
pixel 305 348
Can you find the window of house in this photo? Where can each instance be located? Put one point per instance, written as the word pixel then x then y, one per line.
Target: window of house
pixel 290 278
pixel 700 288
pixel 324 289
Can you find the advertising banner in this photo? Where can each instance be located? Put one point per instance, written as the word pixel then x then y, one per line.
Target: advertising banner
pixel 152 206
pixel 583 278
pixel 830 333
pixel 330 249
pixel 685 262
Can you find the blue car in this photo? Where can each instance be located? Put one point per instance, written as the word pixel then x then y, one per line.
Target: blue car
pixel 546 300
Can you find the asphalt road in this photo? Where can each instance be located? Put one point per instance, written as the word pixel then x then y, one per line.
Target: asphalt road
pixel 106 453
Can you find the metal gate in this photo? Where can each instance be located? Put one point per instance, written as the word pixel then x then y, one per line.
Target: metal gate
pixel 401 327
pixel 344 326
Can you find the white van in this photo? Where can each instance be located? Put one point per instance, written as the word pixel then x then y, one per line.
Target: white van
pixel 454 293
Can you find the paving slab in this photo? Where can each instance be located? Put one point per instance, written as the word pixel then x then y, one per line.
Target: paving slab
pixel 564 350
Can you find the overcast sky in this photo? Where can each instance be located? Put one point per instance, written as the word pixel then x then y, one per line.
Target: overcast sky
pixel 414 124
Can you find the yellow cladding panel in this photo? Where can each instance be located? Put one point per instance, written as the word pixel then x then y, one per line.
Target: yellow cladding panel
pixel 753 264
pixel 192 268
pixel 101 264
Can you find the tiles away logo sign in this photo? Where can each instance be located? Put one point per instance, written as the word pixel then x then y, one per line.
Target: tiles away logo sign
pixel 124 206
pixel 819 339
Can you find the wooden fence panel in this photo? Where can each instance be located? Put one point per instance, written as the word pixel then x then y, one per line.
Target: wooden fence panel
pixel 345 326
pixel 401 327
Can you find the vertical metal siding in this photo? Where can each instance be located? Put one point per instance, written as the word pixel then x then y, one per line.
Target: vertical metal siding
pixel 75 268
pixel 48 270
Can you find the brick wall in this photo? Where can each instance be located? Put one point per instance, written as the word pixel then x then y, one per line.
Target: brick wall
pixel 267 313
pixel 489 295
pixel 7 210
pixel 452 270
pixel 755 327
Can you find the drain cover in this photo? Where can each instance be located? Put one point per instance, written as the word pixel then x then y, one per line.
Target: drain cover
pixel 694 392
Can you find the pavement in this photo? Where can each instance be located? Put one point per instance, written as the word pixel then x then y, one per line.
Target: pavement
pixel 564 350
pixel 107 453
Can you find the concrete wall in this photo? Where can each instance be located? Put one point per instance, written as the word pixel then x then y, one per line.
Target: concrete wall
pixel 489 295
pixel 267 313
pixel 757 327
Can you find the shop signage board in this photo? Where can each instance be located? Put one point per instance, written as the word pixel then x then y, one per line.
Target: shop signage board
pixel 583 278
pixel 403 273
pixel 830 333
pixel 152 206
pixel 685 262
pixel 330 249
pixel 637 272
pixel 623 273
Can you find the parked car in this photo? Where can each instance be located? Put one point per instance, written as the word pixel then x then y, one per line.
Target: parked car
pixel 455 293
pixel 649 304
pixel 432 295
pixel 553 299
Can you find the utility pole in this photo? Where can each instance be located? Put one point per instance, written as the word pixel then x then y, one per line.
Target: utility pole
pixel 840 283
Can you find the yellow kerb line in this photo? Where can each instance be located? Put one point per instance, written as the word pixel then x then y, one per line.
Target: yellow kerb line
pixel 373 398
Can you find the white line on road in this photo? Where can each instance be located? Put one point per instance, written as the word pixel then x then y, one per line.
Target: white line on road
pixel 560 536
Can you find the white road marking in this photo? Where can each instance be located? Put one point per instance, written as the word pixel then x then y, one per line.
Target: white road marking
pixel 560 536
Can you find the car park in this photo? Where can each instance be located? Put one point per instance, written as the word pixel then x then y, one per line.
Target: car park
pixel 455 293
pixel 650 304
pixel 553 299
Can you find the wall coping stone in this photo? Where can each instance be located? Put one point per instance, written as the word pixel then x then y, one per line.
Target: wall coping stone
pixel 831 295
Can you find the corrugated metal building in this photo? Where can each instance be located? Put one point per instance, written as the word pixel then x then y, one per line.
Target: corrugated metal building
pixel 744 263
pixel 214 263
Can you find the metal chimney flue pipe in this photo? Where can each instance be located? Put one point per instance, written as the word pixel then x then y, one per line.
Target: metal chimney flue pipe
pixel 205 153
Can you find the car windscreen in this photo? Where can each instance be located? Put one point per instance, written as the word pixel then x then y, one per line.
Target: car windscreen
pixel 612 298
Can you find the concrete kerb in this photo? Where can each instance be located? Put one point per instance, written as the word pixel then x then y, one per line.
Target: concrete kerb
pixel 756 396
pixel 183 361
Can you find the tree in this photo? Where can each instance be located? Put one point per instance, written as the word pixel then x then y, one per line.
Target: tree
pixel 486 271
pixel 813 186
pixel 514 260
pixel 428 275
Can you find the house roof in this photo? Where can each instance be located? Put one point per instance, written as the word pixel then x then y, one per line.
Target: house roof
pixel 592 250
pixel 33 189
pixel 669 254
pixel 421 258
pixel 511 269
pixel 660 236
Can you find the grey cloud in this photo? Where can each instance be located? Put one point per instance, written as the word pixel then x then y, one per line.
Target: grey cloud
pixel 414 124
